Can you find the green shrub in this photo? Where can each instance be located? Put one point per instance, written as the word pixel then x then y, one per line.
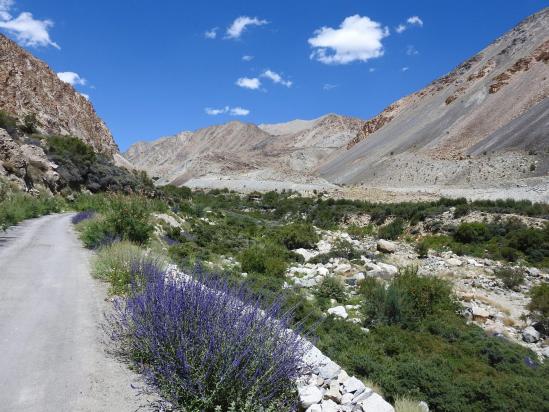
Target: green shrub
pixel 539 306
pixel 461 210
pixel 30 124
pixel 268 259
pixel 361 231
pixel 297 235
pixel 340 249
pixel 331 287
pixel 472 232
pixel 512 277
pixel 95 232
pixel 422 249
pixel 8 123
pixel 129 219
pixel 392 230
pixel 407 300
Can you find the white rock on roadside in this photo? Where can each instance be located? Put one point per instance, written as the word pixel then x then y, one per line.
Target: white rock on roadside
pixel 330 370
pixel 314 408
pixel 354 385
pixel 309 395
pixel 375 403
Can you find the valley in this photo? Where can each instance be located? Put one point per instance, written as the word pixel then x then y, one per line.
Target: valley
pixel 396 263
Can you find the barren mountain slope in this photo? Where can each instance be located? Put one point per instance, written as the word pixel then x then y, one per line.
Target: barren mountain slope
pixel 485 122
pixel 29 86
pixel 240 150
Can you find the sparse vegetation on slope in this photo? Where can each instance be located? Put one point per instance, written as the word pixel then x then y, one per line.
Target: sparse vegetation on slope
pixel 16 206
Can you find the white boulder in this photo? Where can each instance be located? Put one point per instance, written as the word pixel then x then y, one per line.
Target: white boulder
pixel 309 395
pixel 375 403
pixel 338 311
pixel 530 335
pixel 385 246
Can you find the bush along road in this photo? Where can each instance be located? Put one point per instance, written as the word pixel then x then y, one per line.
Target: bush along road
pixel 51 340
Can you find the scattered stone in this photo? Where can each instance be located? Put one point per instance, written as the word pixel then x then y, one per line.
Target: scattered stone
pixel 365 394
pixel 454 262
pixel 354 385
pixel 314 408
pixel 423 406
pixel 342 377
pixel 309 395
pixel 375 403
pixel 530 335
pixel 333 392
pixel 385 246
pixel 347 398
pixel 479 312
pixel 329 406
pixel 330 370
pixel 338 311
pixel 389 269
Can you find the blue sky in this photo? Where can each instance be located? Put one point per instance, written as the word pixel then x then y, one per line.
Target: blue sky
pixel 153 68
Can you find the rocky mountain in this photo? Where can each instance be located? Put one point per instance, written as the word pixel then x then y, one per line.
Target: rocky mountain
pixel 30 87
pixel 245 151
pixel 486 122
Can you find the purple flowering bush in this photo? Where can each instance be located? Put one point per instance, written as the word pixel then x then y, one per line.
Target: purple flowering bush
pixel 81 216
pixel 207 345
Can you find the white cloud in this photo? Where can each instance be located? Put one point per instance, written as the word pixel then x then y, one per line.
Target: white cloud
pixel 412 21
pixel 415 21
pixel 400 28
pixel 211 34
pixel 405 69
pixel 215 112
pixel 411 50
pixel 72 78
pixel 327 87
pixel 249 83
pixel 235 30
pixel 5 7
pixel 372 69
pixel 232 111
pixel 85 96
pixel 276 78
pixel 357 39
pixel 239 111
pixel 27 30
pixel 247 58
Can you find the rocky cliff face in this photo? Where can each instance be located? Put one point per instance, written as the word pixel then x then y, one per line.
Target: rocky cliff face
pixel 29 86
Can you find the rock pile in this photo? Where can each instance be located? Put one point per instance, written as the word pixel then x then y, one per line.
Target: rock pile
pixel 325 387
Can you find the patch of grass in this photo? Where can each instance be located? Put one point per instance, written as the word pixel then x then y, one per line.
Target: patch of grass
pixel 406 404
pixel 392 230
pixel 512 278
pixel 116 263
pixel 16 206
pixel 539 306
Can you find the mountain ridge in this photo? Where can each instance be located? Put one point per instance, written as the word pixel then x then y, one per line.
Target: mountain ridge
pixel 30 87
